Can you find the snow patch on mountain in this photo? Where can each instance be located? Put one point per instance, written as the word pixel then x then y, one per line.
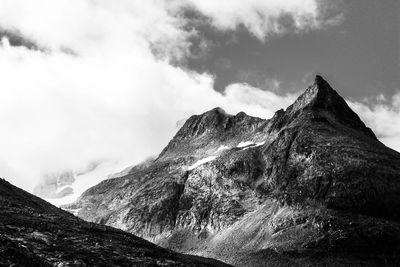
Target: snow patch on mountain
pixel 87 180
pixel 222 147
pixel 201 161
pixel 73 211
pixel 60 189
pixel 244 144
pixel 260 143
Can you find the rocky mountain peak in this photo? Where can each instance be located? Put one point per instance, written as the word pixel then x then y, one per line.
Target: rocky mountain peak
pixel 216 110
pixel 318 95
pixel 215 122
pixel 319 103
pixel 323 101
pixel 208 121
pixel 204 131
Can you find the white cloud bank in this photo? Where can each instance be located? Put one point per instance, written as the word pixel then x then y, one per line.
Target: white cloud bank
pixel 264 18
pixel 383 118
pixel 111 99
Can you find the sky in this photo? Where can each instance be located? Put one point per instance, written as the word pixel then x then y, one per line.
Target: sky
pixel 104 83
pixel 359 53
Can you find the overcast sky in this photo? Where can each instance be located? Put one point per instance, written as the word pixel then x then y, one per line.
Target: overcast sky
pixel 86 81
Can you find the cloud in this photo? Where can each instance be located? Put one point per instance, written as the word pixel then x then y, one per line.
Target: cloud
pixel 265 18
pixel 383 116
pixel 98 93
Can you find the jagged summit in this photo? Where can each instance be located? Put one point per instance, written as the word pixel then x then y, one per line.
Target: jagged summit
pixel 200 132
pixel 320 100
pixel 216 120
pixel 318 95
pixel 319 103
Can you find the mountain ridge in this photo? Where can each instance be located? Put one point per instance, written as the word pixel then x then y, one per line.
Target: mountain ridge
pixel 319 101
pixel 312 178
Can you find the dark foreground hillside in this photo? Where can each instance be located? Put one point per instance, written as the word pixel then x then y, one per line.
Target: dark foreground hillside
pixel 35 233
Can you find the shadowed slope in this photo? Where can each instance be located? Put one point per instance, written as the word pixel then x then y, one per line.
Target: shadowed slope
pixel 35 233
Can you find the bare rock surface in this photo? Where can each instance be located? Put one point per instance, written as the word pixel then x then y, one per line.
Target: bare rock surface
pixel 36 233
pixel 311 186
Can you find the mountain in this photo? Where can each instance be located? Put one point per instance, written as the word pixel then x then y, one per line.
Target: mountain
pixel 36 233
pixel 310 186
pixel 55 185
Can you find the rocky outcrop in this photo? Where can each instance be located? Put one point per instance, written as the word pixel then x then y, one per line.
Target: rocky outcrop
pixel 35 233
pixel 203 133
pixel 312 185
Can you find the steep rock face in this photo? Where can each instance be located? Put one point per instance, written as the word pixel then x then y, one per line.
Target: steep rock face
pixel 36 233
pixel 313 179
pixel 324 153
